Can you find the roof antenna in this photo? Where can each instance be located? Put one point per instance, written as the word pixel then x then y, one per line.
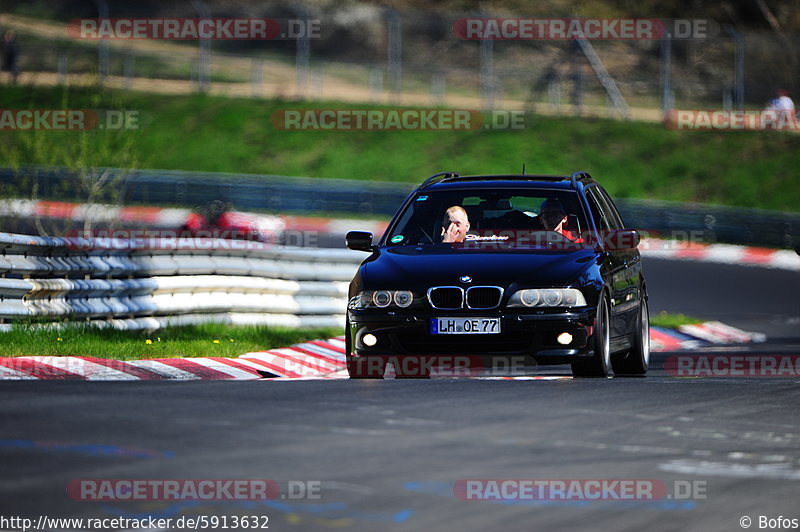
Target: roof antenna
pixel 523 168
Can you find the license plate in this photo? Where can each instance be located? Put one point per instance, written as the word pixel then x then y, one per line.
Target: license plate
pixel 465 326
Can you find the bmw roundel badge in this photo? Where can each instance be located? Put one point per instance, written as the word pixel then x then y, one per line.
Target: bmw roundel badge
pixel 465 279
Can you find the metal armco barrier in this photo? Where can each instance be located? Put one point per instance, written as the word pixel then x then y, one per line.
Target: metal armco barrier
pixel 286 195
pixel 153 283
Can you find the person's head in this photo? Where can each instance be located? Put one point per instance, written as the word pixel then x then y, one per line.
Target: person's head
pixel 455 224
pixel 552 213
pixel 10 35
pixel 783 92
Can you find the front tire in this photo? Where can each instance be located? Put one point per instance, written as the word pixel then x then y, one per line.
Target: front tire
pixel 638 358
pixel 600 363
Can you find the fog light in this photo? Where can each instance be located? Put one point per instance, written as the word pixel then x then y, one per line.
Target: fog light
pixel 564 338
pixel 370 340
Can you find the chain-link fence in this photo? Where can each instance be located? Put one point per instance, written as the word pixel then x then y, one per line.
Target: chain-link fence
pixel 372 54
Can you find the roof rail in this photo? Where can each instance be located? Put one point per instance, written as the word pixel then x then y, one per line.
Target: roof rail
pixel 435 178
pixel 509 177
pixel 580 174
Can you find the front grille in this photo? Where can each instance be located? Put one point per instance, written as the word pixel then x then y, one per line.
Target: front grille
pixel 446 297
pixel 484 297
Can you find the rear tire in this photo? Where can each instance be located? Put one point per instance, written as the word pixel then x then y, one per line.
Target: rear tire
pixel 638 358
pixel 600 363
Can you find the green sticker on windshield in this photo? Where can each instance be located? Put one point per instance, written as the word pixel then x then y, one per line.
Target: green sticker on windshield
pixel 422 198
pixel 396 239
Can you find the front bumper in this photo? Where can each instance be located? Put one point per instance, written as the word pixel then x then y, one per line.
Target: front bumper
pixel 524 333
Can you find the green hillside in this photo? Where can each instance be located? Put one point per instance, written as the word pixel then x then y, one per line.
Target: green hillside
pixel 216 134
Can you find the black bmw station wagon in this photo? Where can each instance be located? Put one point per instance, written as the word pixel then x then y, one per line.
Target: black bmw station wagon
pixel 536 267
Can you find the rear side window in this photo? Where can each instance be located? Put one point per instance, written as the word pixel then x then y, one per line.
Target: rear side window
pixel 611 209
pixel 597 209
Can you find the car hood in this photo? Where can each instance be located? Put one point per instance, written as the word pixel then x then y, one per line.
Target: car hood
pixel 404 267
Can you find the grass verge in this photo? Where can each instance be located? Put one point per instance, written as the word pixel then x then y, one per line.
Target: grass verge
pixel 672 321
pixel 217 134
pixel 207 340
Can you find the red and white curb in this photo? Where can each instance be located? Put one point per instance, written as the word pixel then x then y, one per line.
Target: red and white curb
pixel 689 337
pixel 783 259
pixel 317 359
pixel 310 359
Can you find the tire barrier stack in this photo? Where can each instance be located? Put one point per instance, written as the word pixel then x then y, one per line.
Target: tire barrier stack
pixel 335 197
pixel 152 283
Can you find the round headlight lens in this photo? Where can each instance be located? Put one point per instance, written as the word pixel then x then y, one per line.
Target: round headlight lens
pixel 381 298
pixel 552 297
pixel 403 298
pixel 570 298
pixel 529 298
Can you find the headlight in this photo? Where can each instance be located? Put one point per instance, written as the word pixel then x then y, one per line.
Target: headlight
pixel 381 299
pixel 547 297
pixel 403 298
pixel 529 298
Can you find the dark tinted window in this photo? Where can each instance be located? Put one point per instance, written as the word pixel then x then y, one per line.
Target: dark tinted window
pixel 611 209
pixel 597 209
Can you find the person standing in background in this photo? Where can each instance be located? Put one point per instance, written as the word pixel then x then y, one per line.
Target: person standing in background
pixel 11 55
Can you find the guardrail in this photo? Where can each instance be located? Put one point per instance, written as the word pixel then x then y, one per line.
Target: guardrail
pixel 152 283
pixel 286 195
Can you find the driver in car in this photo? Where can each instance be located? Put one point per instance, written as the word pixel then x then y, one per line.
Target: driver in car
pixel 455 224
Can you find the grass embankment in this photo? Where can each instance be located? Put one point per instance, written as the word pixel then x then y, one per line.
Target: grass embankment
pixel 672 321
pixel 208 340
pixel 217 134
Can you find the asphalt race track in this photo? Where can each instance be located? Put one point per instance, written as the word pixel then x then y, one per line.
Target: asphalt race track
pixel 388 454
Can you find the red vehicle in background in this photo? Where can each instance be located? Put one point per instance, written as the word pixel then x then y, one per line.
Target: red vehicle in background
pixel 218 220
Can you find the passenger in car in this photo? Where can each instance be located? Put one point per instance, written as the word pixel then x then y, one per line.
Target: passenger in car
pixel 553 217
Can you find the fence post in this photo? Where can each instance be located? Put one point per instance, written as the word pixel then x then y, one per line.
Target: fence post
pixel 257 76
pixel 129 68
pixel 376 85
pixel 738 69
pixel 62 69
pixel 302 57
pixel 666 75
pixel 204 63
pixel 102 45
pixel 577 79
pixel 438 88
pixel 394 59
pixel 487 82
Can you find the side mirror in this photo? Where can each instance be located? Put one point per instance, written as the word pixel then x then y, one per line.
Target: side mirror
pixel 359 241
pixel 617 240
pixel 622 240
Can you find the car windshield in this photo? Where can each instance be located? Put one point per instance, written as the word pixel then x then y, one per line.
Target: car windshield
pixel 499 217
